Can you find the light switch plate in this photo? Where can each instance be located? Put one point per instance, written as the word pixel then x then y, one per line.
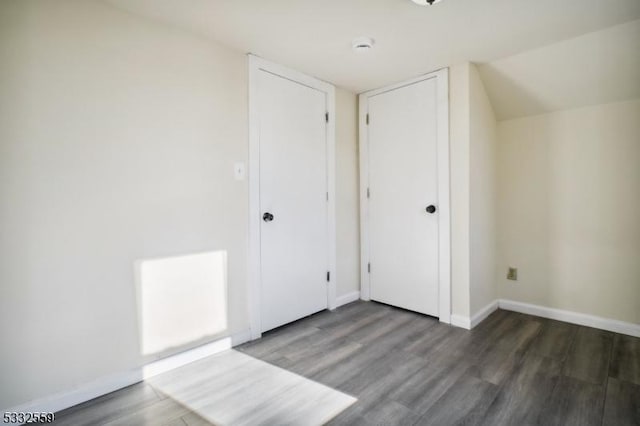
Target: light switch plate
pixel 238 171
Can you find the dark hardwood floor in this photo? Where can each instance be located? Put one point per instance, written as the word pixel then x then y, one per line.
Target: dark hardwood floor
pixel 406 369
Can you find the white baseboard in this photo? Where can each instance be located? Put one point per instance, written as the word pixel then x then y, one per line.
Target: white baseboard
pixel 105 385
pixel 572 317
pixel 83 393
pixel 195 354
pixel 347 298
pixel 469 323
pixel 483 313
pixel 461 321
pixel 587 320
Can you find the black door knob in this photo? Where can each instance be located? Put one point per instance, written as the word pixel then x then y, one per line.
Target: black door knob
pixel 431 209
pixel 267 217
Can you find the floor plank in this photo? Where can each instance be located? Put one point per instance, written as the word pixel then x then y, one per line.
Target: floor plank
pixel 500 359
pixel 589 356
pixel 193 419
pixel 522 397
pixel 426 386
pixel 622 405
pixel 573 402
pixel 109 407
pixel 625 362
pixel 465 402
pixel 555 339
pixel 164 411
pixel 390 412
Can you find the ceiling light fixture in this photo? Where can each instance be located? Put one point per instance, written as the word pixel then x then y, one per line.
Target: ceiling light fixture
pixel 362 44
pixel 426 2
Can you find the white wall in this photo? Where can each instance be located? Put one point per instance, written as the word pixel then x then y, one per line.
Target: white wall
pixel 117 142
pixel 482 195
pixel 118 139
pixel 569 210
pixel 459 173
pixel 472 145
pixel 347 193
pixel 592 69
pixel 555 195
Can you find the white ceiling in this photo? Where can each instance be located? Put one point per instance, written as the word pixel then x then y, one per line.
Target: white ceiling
pixel 595 68
pixel 315 36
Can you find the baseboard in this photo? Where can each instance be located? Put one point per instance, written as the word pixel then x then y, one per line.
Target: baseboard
pixel 572 317
pixel 469 323
pixel 461 321
pixel 347 298
pixel 587 320
pixel 195 354
pixel 83 393
pixel 105 385
pixel 483 313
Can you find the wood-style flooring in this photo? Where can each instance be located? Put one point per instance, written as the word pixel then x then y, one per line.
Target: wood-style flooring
pixel 409 369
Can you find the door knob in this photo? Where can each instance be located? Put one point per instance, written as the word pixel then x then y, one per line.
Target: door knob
pixel 431 209
pixel 267 217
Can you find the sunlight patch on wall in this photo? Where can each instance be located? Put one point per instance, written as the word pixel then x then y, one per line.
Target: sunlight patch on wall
pixel 181 299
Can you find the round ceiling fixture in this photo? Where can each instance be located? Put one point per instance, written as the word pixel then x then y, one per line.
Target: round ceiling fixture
pixel 362 44
pixel 426 2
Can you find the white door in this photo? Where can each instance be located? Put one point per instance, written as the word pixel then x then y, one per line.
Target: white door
pixel 293 200
pixel 403 200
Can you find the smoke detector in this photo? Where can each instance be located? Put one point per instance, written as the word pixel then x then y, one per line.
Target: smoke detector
pixel 426 2
pixel 362 44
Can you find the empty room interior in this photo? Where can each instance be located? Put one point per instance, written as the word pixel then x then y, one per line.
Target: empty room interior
pixel 349 212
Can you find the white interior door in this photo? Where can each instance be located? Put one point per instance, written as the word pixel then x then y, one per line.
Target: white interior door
pixel 293 200
pixel 403 183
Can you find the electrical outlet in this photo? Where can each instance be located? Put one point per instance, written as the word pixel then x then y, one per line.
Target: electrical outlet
pixel 512 274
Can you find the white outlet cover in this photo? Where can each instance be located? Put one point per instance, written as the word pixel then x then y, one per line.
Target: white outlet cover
pixel 238 170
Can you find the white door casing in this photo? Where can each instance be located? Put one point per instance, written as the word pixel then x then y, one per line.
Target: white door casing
pixel 404 167
pixel 292 168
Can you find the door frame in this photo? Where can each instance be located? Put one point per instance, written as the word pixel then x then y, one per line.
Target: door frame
pixel 257 65
pixel 444 220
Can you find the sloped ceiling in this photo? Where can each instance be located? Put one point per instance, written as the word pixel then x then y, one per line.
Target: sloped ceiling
pixel 315 36
pixel 598 67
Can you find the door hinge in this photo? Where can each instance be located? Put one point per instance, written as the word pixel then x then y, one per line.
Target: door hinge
pixel 326 117
pixel 369 267
pixel 328 276
pixel 327 196
pixel 368 193
pixel 367 118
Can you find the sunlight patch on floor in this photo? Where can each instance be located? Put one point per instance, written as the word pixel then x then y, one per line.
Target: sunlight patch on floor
pixel 231 388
